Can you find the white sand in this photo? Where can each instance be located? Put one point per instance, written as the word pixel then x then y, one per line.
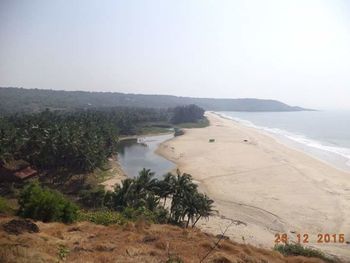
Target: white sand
pixel 118 175
pixel 267 187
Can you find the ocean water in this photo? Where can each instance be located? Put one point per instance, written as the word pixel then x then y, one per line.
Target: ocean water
pixel 322 134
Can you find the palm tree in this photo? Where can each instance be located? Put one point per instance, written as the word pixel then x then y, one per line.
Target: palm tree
pixel 183 188
pixel 204 207
pixel 124 194
pixel 166 187
pixel 146 188
pixel 145 181
pixel 187 203
pixel 137 192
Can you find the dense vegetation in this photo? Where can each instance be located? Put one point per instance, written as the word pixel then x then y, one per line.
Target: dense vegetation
pixel 35 100
pixel 60 142
pixel 4 207
pixel 80 140
pixel 188 113
pixel 146 195
pixel 76 141
pixel 46 205
pixel 143 196
pixel 299 250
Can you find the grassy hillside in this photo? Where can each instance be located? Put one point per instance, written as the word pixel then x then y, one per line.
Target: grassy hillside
pixel 33 100
pixel 132 242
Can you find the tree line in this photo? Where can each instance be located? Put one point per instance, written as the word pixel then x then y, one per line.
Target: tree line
pixel 77 141
pixel 145 191
pixel 187 113
pixel 33 100
pixel 143 196
pixel 80 140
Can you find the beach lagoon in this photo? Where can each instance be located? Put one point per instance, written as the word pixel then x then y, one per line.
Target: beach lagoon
pixel 137 153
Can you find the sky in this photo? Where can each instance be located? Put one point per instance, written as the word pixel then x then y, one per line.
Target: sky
pixel 295 51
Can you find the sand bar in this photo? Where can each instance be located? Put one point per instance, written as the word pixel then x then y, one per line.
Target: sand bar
pixel 117 172
pixel 263 186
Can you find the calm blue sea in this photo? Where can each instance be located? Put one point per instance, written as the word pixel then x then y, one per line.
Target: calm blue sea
pixel 323 134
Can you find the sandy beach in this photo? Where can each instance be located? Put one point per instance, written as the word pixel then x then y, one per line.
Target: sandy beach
pixel 263 186
pixel 117 172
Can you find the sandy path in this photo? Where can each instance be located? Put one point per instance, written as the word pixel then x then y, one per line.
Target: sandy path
pixel 266 187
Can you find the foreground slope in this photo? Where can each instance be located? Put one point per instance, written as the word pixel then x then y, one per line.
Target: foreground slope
pixel 139 242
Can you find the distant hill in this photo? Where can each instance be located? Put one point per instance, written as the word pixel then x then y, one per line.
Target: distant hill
pixel 34 100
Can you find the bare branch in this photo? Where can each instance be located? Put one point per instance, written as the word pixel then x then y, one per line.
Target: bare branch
pixel 217 243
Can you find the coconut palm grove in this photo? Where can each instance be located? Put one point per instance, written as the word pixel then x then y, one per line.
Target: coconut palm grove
pixel 63 145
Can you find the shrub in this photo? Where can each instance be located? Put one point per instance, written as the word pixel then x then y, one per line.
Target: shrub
pixel 62 253
pixel 159 215
pixel 178 132
pixel 299 250
pixel 4 207
pixel 108 217
pixel 46 205
pixel 93 198
pixel 101 217
pixel 174 259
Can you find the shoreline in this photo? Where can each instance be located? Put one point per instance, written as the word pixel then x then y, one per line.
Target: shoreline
pixel 118 174
pixel 297 146
pixel 130 137
pixel 263 186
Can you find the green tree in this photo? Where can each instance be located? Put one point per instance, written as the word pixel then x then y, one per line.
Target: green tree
pixel 166 187
pixel 144 192
pixel 188 113
pixel 46 205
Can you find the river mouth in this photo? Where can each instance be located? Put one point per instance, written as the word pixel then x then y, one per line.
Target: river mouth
pixel 138 153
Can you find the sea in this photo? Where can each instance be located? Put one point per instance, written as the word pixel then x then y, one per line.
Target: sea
pixel 324 135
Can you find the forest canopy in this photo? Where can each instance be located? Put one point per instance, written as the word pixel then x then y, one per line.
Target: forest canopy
pixel 188 113
pixel 79 140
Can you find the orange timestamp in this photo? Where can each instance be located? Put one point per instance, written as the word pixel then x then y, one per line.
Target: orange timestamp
pixel 283 238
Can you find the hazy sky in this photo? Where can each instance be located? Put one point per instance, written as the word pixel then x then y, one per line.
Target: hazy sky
pixel 296 51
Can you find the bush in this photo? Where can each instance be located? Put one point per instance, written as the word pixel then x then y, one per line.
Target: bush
pixel 178 132
pixel 46 205
pixel 174 259
pixel 108 217
pixel 101 217
pixel 93 198
pixel 299 250
pixel 159 215
pixel 4 207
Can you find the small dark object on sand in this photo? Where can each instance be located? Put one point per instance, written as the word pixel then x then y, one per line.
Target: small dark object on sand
pixel 245 140
pixel 19 226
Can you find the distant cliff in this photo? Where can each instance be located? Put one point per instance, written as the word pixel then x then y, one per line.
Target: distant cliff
pixel 34 100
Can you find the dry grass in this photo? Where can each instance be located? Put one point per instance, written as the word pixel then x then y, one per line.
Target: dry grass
pixel 139 242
